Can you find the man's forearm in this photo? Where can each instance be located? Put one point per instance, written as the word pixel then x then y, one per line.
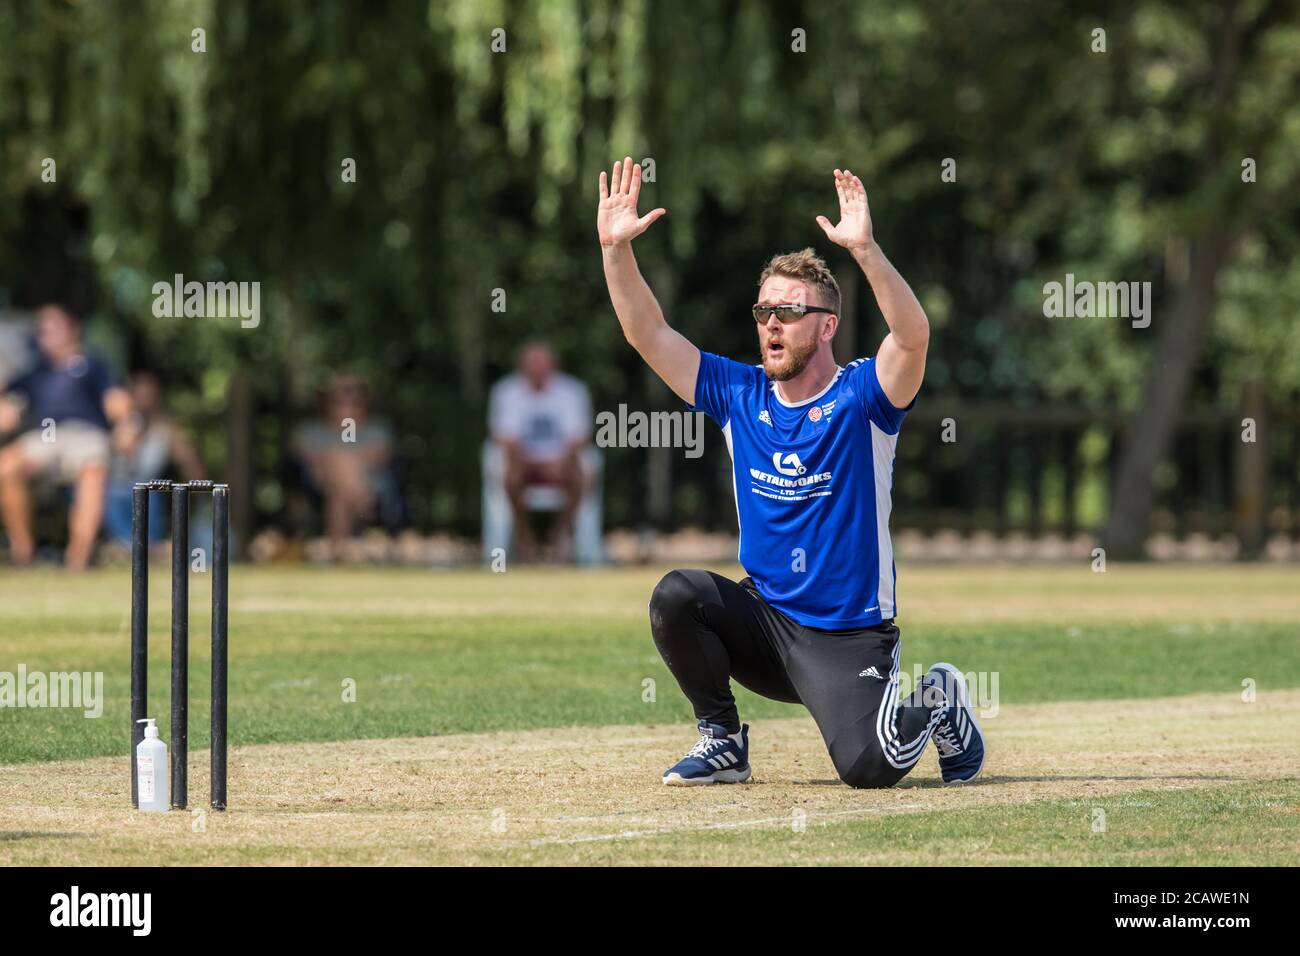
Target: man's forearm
pixel 898 304
pixel 666 351
pixel 635 305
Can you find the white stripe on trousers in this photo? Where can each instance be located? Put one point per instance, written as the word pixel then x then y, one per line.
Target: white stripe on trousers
pixel 900 755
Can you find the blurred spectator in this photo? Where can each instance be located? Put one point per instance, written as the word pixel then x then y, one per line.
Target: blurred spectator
pixel 541 419
pixel 347 463
pixel 147 447
pixel 67 403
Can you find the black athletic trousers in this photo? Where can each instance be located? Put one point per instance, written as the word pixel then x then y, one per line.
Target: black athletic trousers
pixel 711 630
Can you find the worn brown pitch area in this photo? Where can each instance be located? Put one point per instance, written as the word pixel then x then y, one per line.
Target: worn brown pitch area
pixel 503 797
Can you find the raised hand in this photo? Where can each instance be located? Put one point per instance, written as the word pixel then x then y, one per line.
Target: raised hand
pixel 853 231
pixel 616 218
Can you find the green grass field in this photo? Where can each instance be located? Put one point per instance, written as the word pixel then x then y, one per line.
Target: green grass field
pixel 520 668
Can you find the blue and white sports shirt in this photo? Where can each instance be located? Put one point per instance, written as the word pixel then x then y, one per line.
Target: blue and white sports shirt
pixel 812 482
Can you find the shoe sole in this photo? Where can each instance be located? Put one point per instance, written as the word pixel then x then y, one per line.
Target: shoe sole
pixel 963 701
pixel 720 776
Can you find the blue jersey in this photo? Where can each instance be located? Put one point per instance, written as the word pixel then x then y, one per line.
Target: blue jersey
pixel 812 482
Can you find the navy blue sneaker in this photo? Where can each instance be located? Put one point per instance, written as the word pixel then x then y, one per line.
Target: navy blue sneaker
pixel 957 735
pixel 715 758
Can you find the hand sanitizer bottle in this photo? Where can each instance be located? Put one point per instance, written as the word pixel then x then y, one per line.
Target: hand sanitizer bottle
pixel 152 780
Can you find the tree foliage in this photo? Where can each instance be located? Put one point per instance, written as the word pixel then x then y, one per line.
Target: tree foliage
pixel 476 171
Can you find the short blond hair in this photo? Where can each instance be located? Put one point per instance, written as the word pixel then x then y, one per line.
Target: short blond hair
pixel 806 266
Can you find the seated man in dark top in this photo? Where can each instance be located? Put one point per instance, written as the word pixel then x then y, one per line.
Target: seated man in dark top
pixel 347 459
pixel 68 403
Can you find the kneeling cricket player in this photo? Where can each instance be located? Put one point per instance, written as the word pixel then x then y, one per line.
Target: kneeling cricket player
pixel 812 449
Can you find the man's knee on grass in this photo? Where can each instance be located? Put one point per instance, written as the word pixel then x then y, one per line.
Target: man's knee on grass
pixel 868 770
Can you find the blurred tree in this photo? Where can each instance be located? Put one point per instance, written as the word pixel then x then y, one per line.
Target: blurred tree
pixel 476 171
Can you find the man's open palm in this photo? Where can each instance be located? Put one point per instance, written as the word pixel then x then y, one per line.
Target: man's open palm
pixel 616 219
pixel 853 231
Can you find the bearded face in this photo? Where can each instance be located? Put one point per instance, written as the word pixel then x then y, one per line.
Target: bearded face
pixel 786 355
pixel 786 349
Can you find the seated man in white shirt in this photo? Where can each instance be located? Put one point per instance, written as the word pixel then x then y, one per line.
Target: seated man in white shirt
pixel 541 418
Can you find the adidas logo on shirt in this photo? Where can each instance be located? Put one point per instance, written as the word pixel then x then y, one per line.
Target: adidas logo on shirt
pixel 872 672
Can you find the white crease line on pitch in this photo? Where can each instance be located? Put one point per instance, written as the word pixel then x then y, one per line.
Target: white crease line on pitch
pixel 764 821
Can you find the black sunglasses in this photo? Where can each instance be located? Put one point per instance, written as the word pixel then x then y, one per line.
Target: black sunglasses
pixel 785 314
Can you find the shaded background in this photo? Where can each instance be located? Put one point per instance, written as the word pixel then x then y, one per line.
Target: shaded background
pixel 477 171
